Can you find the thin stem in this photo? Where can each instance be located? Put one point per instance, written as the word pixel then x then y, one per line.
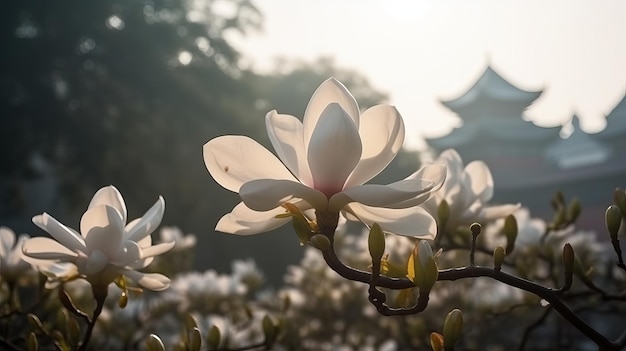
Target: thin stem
pixel 548 294
pixel 99 294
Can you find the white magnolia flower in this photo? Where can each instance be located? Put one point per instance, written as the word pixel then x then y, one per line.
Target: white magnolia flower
pixel 106 247
pixel 12 266
pixel 467 192
pixel 324 162
pixel 174 234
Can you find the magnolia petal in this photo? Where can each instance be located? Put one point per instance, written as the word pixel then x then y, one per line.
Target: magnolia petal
pixel 60 270
pixel 151 281
pixel 267 194
pixel 15 255
pixel 110 196
pixel 157 249
pixel 46 249
pixel 127 256
pixel 285 133
pixel 413 222
pixel 148 222
pixel 381 195
pixel 454 165
pixel 334 150
pixel 244 221
pixel 382 134
pixel 103 229
pixel 95 263
pixel 500 211
pixel 233 160
pixel 330 91
pixel 480 180
pixel 7 240
pixel 66 236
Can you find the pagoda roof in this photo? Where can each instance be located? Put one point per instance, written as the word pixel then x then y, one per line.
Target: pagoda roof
pixel 491 86
pixel 615 121
pixel 504 131
pixel 578 150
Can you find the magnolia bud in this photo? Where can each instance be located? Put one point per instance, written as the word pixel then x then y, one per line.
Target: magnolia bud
pixel 498 257
pixel 269 330
pixel 613 217
pixel 32 344
pixel 568 259
pixel 431 273
pixel 452 328
pixel 443 213
pixel 573 210
pixel 510 231
pixel 475 228
pixel 195 340
pixel 376 243
pixel 213 338
pixel 436 341
pixel 154 343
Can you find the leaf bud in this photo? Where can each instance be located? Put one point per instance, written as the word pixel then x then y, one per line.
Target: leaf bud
pixel 269 330
pixel 613 217
pixel 195 340
pixel 376 243
pixel 436 341
pixel 213 338
pixel 154 343
pixel 32 344
pixel 568 259
pixel 452 328
pixel 510 231
pixel 498 258
pixel 573 210
pixel 475 228
pixel 443 213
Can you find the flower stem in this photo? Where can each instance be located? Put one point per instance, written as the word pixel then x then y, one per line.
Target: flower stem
pixel 100 293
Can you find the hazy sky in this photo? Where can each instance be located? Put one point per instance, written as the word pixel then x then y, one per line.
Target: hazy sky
pixel 423 51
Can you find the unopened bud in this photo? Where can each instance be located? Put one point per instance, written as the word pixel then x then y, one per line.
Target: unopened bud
pixel 443 213
pixel 376 243
pixel 269 330
pixel 431 273
pixel 475 228
pixel 436 341
pixel 498 258
pixel 573 210
pixel 195 340
pixel 560 217
pixel 613 217
pixel 214 338
pixel 510 231
pixel 320 242
pixel 154 343
pixel 452 328
pixel 32 344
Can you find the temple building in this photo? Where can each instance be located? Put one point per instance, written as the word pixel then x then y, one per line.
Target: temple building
pixel 530 163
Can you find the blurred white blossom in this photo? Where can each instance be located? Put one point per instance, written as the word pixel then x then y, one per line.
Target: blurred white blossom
pixel 12 266
pixel 106 247
pixel 467 191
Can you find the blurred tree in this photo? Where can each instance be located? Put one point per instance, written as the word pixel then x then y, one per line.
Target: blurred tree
pixel 120 92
